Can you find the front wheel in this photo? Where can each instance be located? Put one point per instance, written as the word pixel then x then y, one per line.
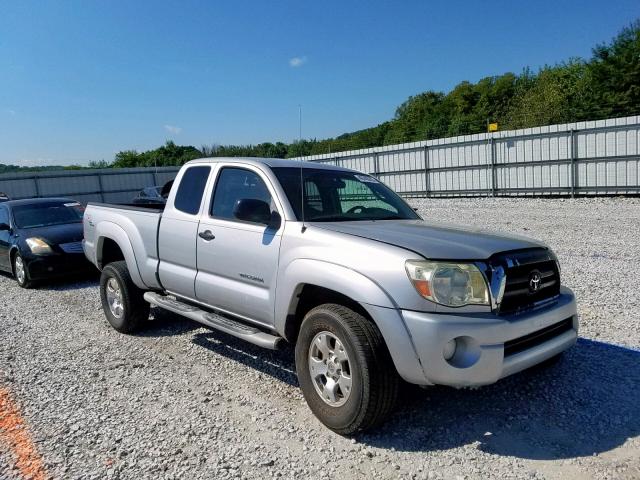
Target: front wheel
pixel 122 302
pixel 21 272
pixel 344 368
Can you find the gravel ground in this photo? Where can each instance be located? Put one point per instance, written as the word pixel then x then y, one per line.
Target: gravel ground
pixel 181 401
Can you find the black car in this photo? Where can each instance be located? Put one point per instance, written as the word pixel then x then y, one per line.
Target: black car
pixel 41 238
pixel 150 195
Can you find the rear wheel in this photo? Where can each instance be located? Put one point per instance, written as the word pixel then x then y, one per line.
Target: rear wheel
pixel 21 272
pixel 344 368
pixel 122 302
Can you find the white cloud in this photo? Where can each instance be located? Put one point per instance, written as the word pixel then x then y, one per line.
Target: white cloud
pixel 173 129
pixel 297 61
pixel 10 111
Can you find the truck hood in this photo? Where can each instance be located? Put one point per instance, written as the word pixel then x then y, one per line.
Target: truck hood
pixel 436 241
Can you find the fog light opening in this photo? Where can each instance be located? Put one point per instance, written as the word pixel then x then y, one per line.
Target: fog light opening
pixel 450 349
pixel 465 354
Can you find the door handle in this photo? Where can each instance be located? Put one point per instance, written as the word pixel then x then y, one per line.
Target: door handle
pixel 207 235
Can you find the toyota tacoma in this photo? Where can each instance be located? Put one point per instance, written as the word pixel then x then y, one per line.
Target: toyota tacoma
pixel 336 263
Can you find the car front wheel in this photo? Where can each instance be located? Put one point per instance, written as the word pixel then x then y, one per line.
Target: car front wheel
pixel 21 272
pixel 344 368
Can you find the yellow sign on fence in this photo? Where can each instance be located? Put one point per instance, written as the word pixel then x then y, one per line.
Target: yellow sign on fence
pixel 493 127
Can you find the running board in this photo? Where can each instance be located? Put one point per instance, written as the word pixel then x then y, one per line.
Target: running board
pixel 213 320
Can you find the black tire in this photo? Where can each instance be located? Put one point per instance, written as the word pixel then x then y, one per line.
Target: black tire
pixel 25 282
pixel 135 310
pixel 375 382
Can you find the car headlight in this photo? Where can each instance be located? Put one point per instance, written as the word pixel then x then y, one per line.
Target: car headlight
pixel 38 246
pixel 450 284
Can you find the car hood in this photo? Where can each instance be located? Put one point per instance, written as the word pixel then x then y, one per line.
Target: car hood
pixel 436 241
pixel 55 234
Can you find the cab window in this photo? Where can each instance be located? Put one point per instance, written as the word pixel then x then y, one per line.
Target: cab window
pixel 236 184
pixel 191 189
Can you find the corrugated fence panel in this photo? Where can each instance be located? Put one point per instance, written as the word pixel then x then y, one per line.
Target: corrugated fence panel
pixel 19 188
pixel 586 158
pixel 595 157
pixel 105 185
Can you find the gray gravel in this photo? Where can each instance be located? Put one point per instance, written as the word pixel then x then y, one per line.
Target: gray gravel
pixel 181 401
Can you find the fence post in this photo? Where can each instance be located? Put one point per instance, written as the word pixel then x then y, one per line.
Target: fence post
pixel 37 187
pixel 101 187
pixel 492 153
pixel 376 165
pixel 572 140
pixel 426 171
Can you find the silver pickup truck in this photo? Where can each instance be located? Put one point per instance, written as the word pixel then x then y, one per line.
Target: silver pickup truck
pixel 335 262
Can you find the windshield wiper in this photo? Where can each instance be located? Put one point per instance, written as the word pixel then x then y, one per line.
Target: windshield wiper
pixel 331 218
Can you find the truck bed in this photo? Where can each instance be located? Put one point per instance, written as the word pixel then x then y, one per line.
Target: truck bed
pixel 134 227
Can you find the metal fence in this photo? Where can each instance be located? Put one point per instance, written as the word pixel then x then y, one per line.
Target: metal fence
pixel 95 185
pixel 583 158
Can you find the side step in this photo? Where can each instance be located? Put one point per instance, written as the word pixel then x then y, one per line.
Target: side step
pixel 213 320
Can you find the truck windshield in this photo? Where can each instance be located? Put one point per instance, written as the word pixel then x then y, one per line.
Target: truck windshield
pixel 45 214
pixel 340 196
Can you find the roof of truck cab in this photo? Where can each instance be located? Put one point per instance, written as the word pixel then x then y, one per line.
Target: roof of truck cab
pixel 269 162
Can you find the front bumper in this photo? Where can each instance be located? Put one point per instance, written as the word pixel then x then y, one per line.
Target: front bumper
pixel 480 354
pixel 57 265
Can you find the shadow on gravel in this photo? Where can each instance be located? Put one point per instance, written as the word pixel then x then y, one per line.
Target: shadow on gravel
pixel 277 364
pixel 587 403
pixel 167 324
pixel 72 282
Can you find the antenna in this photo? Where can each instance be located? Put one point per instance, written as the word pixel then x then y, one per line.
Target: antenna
pixel 304 227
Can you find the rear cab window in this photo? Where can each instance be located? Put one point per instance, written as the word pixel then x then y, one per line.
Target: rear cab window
pixel 191 188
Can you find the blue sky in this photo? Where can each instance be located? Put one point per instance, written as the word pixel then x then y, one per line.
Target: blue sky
pixel 82 80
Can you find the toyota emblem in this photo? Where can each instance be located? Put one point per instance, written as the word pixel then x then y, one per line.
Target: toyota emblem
pixel 535 281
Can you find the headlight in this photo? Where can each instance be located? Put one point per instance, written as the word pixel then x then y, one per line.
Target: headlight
pixel 38 246
pixel 450 284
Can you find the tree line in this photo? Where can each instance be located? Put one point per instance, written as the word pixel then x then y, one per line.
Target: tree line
pixel 603 86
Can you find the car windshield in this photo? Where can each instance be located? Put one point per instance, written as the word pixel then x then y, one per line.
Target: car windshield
pixel 340 196
pixel 45 214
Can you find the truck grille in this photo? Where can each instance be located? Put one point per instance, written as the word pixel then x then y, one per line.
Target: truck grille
pixel 536 338
pixel 532 277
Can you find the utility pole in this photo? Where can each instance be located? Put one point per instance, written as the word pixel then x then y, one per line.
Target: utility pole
pixel 299 123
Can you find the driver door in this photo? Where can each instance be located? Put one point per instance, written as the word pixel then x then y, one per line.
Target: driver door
pixel 238 260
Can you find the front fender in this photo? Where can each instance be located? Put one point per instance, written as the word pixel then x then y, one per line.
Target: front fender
pixel 327 275
pixel 114 232
pixel 360 288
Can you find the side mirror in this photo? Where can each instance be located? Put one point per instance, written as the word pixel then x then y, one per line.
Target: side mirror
pixel 4 227
pixel 256 211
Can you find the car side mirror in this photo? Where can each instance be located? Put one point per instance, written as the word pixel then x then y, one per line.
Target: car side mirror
pixel 256 211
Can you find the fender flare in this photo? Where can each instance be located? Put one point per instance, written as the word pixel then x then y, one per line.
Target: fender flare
pixel 378 303
pixel 111 231
pixel 306 271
